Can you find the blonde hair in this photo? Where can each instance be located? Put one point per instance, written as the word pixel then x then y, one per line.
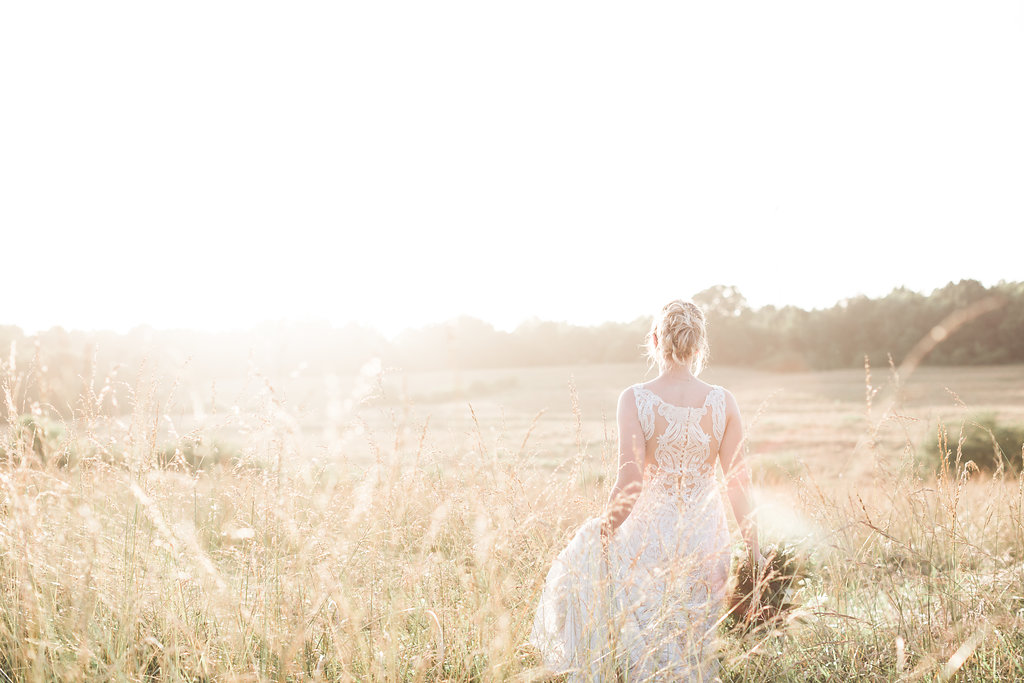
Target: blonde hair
pixel 682 336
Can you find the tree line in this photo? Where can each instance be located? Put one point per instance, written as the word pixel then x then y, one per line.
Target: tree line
pixel 791 338
pixel 769 338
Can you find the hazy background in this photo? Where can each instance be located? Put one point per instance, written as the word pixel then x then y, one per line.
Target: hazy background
pixel 881 331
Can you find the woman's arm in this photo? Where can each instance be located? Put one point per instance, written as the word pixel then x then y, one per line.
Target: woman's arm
pixel 737 478
pixel 632 450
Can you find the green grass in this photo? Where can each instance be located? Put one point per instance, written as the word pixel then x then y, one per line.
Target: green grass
pixel 404 534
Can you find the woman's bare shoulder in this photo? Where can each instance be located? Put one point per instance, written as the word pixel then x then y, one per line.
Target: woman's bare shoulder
pixel 628 395
pixel 627 408
pixel 732 407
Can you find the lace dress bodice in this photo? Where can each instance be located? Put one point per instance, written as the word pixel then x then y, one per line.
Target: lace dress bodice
pixel 683 463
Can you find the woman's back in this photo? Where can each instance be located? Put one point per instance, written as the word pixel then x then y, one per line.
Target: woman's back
pixel 681 437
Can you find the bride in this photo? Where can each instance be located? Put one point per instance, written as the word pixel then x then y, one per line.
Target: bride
pixel 639 592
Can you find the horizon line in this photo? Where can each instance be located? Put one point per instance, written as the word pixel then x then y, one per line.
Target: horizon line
pixel 280 322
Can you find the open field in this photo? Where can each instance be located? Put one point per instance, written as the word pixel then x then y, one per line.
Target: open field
pixel 818 421
pixel 398 527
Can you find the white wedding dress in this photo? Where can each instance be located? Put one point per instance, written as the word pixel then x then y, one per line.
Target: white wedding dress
pixel 649 609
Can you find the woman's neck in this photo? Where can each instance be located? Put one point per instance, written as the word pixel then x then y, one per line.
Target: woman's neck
pixel 679 374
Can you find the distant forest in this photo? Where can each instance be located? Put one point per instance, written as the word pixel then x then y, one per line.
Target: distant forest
pixel 782 339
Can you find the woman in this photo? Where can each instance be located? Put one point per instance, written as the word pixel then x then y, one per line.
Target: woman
pixel 641 590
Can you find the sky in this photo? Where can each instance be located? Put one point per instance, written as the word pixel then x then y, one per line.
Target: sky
pixel 214 165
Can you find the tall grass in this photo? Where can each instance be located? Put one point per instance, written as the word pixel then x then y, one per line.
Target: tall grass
pixel 130 551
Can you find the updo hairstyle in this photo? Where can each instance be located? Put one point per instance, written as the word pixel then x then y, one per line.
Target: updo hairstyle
pixel 682 336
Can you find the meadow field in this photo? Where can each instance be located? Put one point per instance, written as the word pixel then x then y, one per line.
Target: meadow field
pixel 397 526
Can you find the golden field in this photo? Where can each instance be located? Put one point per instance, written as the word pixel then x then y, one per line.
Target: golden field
pixel 394 526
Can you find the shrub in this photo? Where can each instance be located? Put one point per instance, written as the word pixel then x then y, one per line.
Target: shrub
pixel 982 440
pixel 197 454
pixel 39 440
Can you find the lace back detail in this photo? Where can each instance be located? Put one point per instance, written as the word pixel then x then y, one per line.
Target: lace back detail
pixel 645 410
pixel 683 454
pixel 716 400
